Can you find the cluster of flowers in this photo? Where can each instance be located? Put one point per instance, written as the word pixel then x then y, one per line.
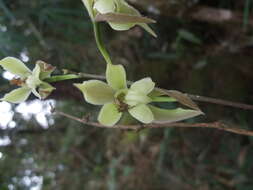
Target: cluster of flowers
pixel 119 103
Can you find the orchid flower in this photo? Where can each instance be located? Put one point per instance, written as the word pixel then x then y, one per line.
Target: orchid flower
pixel 29 81
pixel 118 13
pixel 116 99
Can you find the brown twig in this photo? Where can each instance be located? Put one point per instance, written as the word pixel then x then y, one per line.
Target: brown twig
pixel 213 125
pixel 220 102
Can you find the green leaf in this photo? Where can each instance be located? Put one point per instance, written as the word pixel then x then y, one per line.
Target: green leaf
pixel 17 96
pixel 15 66
pixel 173 115
pixel 116 76
pixel 144 86
pixel 142 113
pixel 96 92
pixel 109 114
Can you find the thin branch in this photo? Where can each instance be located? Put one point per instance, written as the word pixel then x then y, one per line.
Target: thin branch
pixel 214 125
pixel 220 102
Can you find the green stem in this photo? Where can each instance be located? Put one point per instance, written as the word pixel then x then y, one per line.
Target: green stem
pixel 62 78
pixel 100 44
pixel 163 99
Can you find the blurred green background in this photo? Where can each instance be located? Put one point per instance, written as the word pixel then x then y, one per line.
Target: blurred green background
pixel 203 47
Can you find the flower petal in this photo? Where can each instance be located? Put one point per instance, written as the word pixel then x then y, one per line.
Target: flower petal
pixel 15 66
pixel 172 115
pixel 109 114
pixel 33 81
pixel 105 6
pixel 45 69
pixel 45 89
pixel 34 91
pixel 89 6
pixel 36 72
pixel 116 76
pixel 144 86
pixel 134 97
pixel 124 8
pixel 142 113
pixel 121 27
pixel 148 29
pixel 17 96
pixel 96 92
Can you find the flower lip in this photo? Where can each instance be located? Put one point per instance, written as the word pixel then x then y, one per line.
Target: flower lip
pixel 17 82
pixel 32 82
pixel 120 94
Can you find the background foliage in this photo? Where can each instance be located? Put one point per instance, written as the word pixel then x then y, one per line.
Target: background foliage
pixel 192 54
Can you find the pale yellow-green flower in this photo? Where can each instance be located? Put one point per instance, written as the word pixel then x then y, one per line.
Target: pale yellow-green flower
pixel 118 13
pixel 116 99
pixel 29 81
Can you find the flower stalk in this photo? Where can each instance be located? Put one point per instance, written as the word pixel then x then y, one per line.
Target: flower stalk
pixel 100 43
